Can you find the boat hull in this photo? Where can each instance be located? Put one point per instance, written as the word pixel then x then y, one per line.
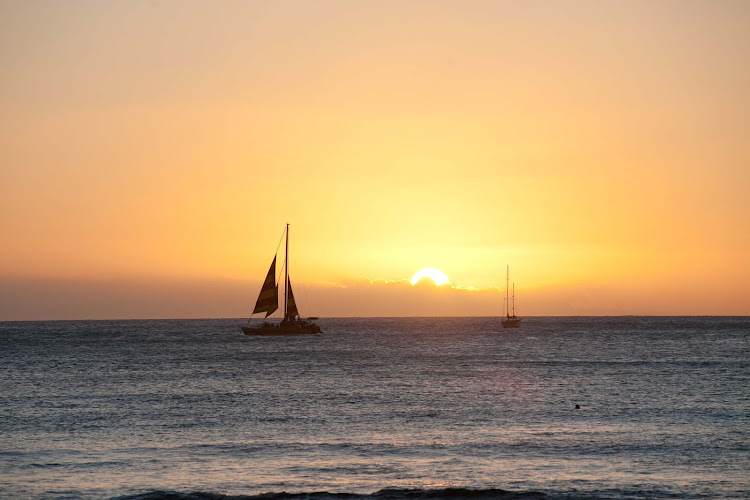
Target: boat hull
pixel 274 330
pixel 511 323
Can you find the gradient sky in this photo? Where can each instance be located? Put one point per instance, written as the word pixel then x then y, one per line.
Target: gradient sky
pixel 151 152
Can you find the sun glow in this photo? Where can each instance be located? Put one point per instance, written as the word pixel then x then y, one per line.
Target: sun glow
pixel 435 275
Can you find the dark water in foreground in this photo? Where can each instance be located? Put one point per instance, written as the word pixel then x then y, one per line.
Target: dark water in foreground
pixel 379 408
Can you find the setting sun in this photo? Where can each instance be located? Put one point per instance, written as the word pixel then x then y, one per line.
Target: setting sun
pixel 435 275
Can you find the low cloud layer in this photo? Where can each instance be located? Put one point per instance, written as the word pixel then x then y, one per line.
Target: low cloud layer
pixel 47 299
pixel 401 298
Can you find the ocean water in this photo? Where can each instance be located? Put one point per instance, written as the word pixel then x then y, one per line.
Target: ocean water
pixel 406 408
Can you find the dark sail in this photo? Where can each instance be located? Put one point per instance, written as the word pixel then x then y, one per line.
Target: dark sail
pixel 268 299
pixel 291 305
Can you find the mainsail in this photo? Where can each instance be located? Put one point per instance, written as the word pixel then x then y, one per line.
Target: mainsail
pixel 291 305
pixel 268 299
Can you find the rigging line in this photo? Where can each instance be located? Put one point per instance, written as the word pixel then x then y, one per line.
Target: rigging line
pixel 281 272
pixel 277 253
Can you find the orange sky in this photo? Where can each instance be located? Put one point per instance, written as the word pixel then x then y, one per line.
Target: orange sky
pixel 156 149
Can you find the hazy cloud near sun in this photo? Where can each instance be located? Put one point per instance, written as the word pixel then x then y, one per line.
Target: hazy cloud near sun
pixel 400 298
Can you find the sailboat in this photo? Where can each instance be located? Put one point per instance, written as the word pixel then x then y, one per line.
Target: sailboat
pixel 268 302
pixel 510 321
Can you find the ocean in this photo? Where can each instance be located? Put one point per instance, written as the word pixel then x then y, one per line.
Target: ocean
pixel 397 408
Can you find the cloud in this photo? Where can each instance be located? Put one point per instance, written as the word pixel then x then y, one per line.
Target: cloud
pixel 43 299
pixel 365 297
pixel 46 299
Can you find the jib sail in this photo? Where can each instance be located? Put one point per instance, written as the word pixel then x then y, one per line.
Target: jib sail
pixel 268 299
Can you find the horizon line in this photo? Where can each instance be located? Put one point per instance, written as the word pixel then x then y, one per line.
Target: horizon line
pixel 245 319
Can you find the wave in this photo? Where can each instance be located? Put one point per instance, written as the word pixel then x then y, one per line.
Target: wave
pixel 438 494
pixel 384 494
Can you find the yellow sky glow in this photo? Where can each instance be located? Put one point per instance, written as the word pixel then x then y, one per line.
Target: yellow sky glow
pixel 598 148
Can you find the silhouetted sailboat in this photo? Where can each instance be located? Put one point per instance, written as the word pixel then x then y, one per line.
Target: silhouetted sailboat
pixel 268 302
pixel 510 321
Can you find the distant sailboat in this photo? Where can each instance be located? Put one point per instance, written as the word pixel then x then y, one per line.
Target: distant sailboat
pixel 510 321
pixel 268 302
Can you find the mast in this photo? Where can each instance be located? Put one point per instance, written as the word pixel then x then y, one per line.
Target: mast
pixel 514 300
pixel 286 271
pixel 507 281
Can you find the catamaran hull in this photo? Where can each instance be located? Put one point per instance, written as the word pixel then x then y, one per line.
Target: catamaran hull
pixel 511 323
pixel 278 331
